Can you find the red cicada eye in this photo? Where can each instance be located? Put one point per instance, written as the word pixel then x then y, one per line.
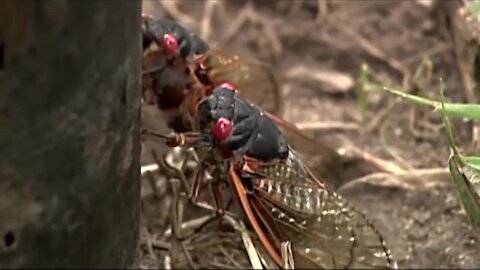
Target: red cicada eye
pixel 222 129
pixel 229 85
pixel 170 43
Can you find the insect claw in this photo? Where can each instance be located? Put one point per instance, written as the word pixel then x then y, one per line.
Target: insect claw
pixel 193 200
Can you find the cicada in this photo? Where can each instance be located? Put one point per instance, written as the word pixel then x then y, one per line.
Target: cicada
pixel 282 200
pixel 180 69
pixel 167 47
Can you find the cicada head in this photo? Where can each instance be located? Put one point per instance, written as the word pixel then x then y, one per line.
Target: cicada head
pixel 216 113
pixel 171 38
pixel 165 34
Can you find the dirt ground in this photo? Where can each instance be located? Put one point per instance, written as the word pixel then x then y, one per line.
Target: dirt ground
pixel 319 50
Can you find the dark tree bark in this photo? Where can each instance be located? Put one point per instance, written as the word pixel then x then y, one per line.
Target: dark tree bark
pixel 69 133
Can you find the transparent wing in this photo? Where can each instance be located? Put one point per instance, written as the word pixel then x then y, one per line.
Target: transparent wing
pixel 255 80
pixel 325 231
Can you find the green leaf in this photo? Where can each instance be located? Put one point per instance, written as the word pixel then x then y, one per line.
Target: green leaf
pixel 468 195
pixel 473 8
pixel 473 162
pixel 361 90
pixel 468 190
pixel 446 120
pixel 458 110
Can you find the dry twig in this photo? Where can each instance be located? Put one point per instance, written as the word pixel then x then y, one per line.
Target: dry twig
pixel 208 12
pixel 322 11
pixel 192 224
pixel 380 116
pixel 162 245
pixel 167 262
pixel 149 243
pixel 173 171
pixel 383 165
pixel 324 125
pixel 171 6
pixel 248 13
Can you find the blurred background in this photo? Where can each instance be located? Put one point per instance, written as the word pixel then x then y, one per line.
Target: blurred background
pixel 328 55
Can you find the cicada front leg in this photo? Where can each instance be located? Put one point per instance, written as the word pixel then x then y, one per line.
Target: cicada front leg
pixel 201 182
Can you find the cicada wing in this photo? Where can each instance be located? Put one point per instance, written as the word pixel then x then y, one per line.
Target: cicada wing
pixel 324 230
pixel 321 157
pixel 255 80
pixel 254 221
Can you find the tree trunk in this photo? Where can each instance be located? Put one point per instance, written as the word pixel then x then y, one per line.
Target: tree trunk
pixel 69 134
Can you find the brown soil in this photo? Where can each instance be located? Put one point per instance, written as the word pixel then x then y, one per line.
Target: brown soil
pixel 419 214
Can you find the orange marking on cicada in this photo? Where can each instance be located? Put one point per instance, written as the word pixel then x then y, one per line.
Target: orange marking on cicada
pixel 242 195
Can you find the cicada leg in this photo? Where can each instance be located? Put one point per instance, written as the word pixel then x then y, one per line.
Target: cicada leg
pixel 218 198
pixel 199 183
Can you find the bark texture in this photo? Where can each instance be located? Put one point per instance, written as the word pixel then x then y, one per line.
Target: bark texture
pixel 69 134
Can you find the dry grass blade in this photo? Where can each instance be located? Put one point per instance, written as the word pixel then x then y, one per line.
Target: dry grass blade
pixel 287 255
pixel 331 125
pixel 174 220
pixel 229 257
pixel 167 262
pixel 383 165
pixel 250 248
pixel 191 224
pixel 148 168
